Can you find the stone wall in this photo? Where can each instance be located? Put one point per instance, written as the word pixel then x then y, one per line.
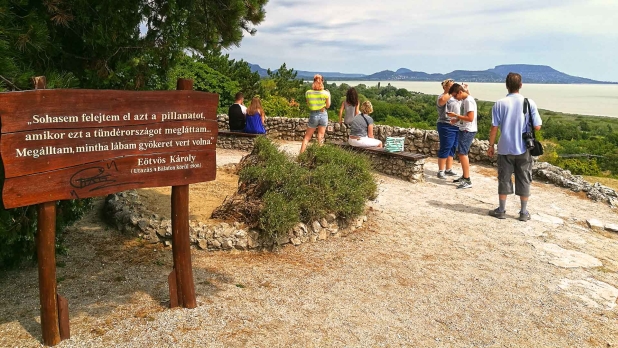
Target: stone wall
pixel 563 178
pixel 420 141
pixel 125 211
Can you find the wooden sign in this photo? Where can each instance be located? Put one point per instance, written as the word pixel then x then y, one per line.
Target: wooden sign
pixel 66 144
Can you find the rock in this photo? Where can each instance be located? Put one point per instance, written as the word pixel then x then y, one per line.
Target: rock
pixel 215 244
pixel 143 224
pixel 241 244
pixel 333 230
pixel 202 244
pixel 611 228
pixel 595 224
pixel 240 234
pixel 295 241
pixel 316 227
pixel 324 223
pixel 565 258
pixel 547 218
pixel 322 235
pixel 592 292
pixel 167 243
pixel 227 244
pixel 300 229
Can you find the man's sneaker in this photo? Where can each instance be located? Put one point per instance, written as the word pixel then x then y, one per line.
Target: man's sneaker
pixel 441 175
pixel 450 172
pixel 524 216
pixel 458 180
pixel 497 213
pixel 464 184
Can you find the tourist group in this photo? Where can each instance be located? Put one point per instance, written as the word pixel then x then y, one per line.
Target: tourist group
pixel 515 116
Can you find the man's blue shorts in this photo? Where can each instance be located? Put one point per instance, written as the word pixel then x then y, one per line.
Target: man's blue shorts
pixel 465 140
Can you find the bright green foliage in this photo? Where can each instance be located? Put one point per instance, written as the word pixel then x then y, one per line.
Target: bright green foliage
pixel 279 106
pixel 205 79
pixel 326 180
pixel 286 83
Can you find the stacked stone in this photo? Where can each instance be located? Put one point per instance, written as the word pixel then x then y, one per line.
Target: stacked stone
pixel 129 215
pixel 564 178
pixel 421 141
pixel 235 142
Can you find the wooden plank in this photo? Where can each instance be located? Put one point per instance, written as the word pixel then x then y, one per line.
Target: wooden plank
pixel 77 108
pixel 46 258
pixel 63 318
pixel 31 152
pixel 380 151
pixel 109 176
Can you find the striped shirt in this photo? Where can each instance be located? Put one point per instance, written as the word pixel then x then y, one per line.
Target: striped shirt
pixel 317 99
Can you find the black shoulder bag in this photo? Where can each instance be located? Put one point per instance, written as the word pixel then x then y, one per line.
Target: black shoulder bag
pixel 537 149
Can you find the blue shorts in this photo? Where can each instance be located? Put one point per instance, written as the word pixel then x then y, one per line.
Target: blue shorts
pixel 448 139
pixel 464 142
pixel 318 118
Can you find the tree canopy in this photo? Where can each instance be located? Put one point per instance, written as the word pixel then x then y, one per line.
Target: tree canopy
pixel 119 44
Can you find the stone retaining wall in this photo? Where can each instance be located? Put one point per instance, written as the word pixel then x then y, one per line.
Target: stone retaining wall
pixel 125 211
pixel 420 141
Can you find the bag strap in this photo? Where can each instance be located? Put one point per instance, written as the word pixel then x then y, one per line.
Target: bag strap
pixel 527 108
pixel 365 118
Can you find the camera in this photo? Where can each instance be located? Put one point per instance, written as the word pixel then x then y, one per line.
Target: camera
pixel 529 139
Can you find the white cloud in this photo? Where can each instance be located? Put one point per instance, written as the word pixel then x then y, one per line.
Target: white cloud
pixel 368 35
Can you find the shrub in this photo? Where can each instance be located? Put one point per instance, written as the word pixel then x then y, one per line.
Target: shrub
pixel 325 180
pixel 18 228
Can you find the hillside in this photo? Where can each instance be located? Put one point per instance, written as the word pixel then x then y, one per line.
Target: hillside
pixel 530 73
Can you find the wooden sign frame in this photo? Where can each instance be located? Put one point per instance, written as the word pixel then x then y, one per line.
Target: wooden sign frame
pixel 94 153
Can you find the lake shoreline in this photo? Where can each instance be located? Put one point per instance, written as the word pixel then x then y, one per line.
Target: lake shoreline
pixel 587 100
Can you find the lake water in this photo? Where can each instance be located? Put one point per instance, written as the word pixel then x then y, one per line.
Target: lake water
pixel 596 100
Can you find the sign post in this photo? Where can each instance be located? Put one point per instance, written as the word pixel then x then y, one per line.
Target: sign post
pixel 71 144
pixel 181 246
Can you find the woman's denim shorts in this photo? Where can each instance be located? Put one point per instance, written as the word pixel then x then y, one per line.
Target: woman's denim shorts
pixel 448 139
pixel 318 118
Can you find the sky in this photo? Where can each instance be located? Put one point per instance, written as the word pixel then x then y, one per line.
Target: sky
pixel 579 38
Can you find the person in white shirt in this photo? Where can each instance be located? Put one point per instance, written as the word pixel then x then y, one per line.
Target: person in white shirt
pixel 467 130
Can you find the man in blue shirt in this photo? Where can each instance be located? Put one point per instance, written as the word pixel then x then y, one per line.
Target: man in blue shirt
pixel 513 156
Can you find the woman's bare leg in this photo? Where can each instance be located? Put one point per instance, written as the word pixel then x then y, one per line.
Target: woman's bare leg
pixel 307 139
pixel 321 131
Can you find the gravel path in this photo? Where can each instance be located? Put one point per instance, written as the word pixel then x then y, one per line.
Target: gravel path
pixel 430 269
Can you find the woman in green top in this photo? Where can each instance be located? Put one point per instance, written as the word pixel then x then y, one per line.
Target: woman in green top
pixel 318 101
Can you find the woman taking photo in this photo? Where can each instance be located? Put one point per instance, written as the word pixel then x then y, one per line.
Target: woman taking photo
pixel 446 131
pixel 350 105
pixel 361 128
pixel 318 101
pixel 256 119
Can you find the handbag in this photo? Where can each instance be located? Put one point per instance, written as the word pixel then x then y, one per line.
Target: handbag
pixel 537 150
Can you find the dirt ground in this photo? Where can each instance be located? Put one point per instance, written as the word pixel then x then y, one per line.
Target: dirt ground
pixel 430 269
pixel 203 198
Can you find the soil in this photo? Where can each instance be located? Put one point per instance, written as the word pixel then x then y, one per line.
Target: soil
pixel 429 269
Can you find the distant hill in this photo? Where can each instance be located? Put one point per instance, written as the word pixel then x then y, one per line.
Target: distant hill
pixel 307 74
pixel 530 74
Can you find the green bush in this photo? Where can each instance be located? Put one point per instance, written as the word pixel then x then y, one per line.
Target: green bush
pixel 325 180
pixel 18 228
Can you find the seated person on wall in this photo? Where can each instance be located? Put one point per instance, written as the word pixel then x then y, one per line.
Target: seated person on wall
pixel 237 113
pixel 361 128
pixel 256 119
